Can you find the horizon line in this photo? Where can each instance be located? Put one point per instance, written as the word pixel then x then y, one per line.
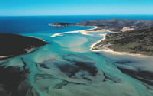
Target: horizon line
pixel 72 15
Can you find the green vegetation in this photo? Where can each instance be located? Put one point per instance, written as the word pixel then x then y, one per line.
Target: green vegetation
pixel 137 41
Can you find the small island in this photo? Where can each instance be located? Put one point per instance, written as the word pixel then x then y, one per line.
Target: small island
pixel 60 24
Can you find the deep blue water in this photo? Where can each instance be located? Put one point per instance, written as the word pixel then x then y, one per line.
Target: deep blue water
pixel 30 24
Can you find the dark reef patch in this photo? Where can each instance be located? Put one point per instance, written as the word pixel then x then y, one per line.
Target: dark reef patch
pixel 144 76
pixel 10 80
pixel 125 61
pixel 78 66
pixel 83 68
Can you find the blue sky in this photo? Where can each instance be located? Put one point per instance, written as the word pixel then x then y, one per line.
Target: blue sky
pixel 74 7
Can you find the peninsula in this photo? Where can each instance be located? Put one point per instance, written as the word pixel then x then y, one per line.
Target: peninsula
pixel 13 45
pixel 131 36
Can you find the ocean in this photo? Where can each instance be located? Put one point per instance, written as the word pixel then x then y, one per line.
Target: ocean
pixel 67 67
pixel 30 24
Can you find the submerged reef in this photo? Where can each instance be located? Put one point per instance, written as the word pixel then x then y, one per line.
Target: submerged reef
pixel 12 81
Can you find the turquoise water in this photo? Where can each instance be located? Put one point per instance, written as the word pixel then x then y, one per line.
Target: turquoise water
pixel 51 67
pixel 45 76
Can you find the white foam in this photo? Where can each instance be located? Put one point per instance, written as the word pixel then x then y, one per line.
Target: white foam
pixel 81 31
pixel 3 57
pixel 71 32
pixel 95 27
pixel 103 35
pixel 56 35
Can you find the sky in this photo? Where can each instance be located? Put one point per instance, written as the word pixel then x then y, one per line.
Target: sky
pixel 74 7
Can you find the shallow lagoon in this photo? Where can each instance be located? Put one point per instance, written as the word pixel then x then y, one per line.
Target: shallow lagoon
pixel 67 67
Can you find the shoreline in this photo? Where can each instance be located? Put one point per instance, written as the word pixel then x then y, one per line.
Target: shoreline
pixel 108 50
pixel 111 51
pixel 3 57
pixel 21 44
pixel 93 30
pixel 84 32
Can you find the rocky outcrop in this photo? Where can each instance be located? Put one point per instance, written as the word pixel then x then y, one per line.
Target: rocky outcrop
pixel 13 45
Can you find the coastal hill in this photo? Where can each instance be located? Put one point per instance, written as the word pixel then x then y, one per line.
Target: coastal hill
pixel 136 41
pixel 118 25
pixel 13 45
pixel 133 36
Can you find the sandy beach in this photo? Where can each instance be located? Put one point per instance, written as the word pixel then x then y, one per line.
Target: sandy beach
pixel 93 30
pixel 106 49
pixel 110 51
